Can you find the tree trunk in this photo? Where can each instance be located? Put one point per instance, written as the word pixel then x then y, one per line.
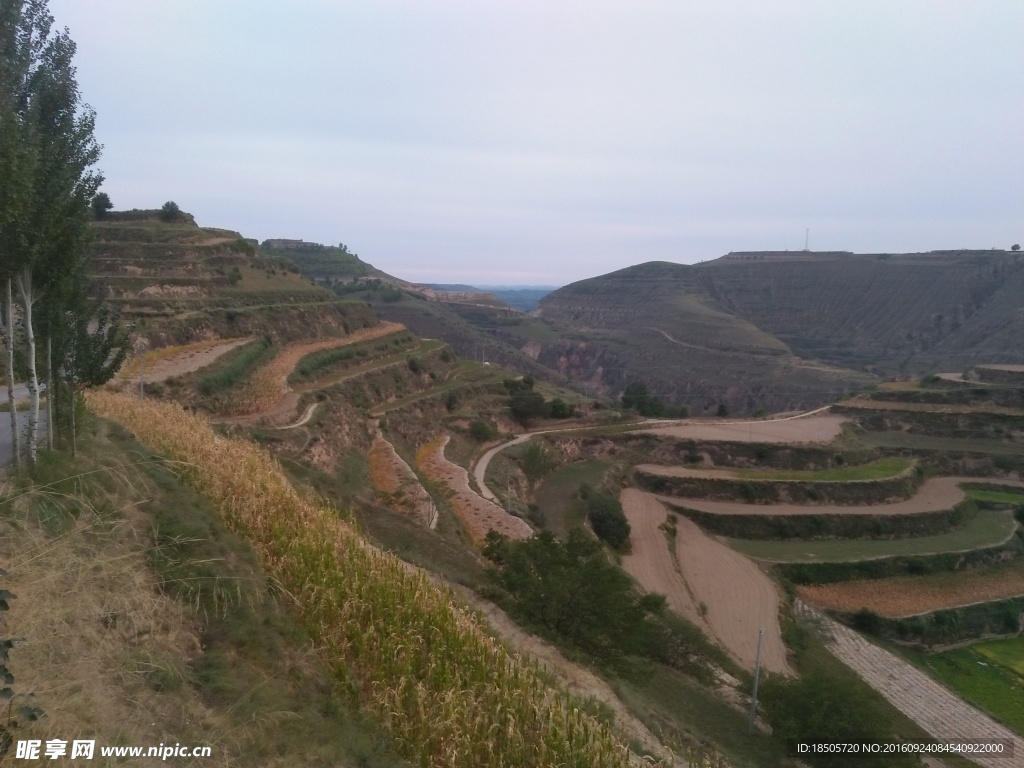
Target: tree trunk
pixel 24 282
pixel 74 432
pixel 50 426
pixel 8 324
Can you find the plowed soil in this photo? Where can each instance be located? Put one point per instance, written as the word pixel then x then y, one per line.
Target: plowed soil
pixel 717 588
pixel 812 429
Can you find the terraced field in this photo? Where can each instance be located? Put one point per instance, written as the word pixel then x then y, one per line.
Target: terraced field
pixel 706 582
pixel 810 429
pixel 989 528
pixel 935 495
pixel 911 595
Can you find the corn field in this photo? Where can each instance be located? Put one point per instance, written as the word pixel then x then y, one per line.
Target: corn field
pixel 149 359
pixel 270 383
pixel 447 692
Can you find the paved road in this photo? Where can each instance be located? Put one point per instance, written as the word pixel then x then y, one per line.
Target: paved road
pixel 6 444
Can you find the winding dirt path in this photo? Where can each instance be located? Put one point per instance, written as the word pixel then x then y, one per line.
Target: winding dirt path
pixel 936 709
pixel 715 587
pixel 936 494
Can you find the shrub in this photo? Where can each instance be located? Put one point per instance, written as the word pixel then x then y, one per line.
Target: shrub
pixel 604 512
pixel 170 211
pixel 560 409
pixel 481 430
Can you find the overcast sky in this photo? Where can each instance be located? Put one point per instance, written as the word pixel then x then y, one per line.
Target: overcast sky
pixel 543 142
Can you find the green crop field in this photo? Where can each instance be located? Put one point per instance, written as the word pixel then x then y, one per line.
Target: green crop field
pixel 988 528
pixel 995 497
pixel 1008 653
pixel 932 443
pixel 876 470
pixel 985 674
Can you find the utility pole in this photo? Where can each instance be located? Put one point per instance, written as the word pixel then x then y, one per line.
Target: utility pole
pixel 757 677
pixel 807 239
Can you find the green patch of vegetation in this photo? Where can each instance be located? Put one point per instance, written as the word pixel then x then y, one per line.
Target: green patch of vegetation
pixel 328 360
pixel 988 528
pixel 944 444
pixel 983 681
pixel 558 495
pixel 605 515
pixel 876 470
pixel 1009 653
pixel 237 367
pixel 570 591
pixel 989 496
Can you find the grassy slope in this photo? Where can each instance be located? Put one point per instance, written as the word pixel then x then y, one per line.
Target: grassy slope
pixel 978 673
pixel 174 632
pixel 988 528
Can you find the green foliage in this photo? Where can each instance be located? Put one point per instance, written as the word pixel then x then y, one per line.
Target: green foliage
pixel 170 211
pixel 451 400
pixel 635 398
pixel 818 707
pixel 481 430
pixel 559 409
pixel 606 516
pixel 571 591
pixel 100 205
pixel 527 405
pixel 723 411
pixel 238 369
pixel 537 460
pixel 415 365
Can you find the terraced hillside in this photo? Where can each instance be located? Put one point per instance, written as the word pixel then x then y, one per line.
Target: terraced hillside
pixel 178 282
pixel 776 330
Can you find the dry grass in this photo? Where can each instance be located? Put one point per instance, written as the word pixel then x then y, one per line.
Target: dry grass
pixel 270 383
pixel 131 368
pixel 448 692
pixel 909 595
pixel 397 485
pixel 99 663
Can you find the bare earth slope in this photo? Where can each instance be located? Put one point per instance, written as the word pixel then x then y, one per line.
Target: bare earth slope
pixel 715 587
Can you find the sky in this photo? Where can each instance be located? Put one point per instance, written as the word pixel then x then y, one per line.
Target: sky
pixel 542 142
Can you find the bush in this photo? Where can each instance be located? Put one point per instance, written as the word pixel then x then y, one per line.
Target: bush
pixel 481 431
pixel 415 365
pixel 537 460
pixel 560 409
pixel 604 512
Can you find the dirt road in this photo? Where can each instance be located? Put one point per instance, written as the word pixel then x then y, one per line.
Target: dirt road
pixel 935 495
pixel 718 589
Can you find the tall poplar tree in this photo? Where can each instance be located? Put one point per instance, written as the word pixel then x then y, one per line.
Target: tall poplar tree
pixel 56 150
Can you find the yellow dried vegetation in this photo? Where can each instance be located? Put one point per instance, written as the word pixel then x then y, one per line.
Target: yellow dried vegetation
pixel 902 596
pixel 270 383
pixel 131 368
pixel 477 515
pixel 448 692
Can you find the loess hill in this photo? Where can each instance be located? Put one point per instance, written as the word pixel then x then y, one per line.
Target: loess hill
pixel 785 329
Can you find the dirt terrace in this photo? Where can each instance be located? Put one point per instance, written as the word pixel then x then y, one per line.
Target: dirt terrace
pixel 718 589
pixel 935 495
pixel 476 513
pixel 809 429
